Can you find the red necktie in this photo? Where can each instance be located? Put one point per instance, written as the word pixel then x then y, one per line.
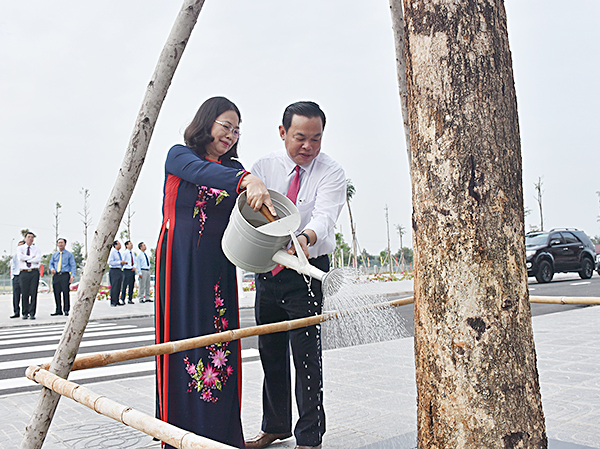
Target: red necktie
pixel 292 194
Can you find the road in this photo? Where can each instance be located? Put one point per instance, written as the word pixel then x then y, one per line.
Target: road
pixel 20 348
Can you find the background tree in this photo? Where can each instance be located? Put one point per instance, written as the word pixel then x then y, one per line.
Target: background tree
pixel 5 263
pixel 86 216
pixel 76 249
pixel 126 234
pixel 56 223
pixel 539 192
pixel 389 251
pixel 350 191
pixel 477 380
pixel 401 231
pixel 24 232
pixel 341 254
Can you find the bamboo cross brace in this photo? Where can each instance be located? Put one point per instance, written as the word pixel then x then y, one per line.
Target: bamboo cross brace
pixel 164 431
pixel 107 358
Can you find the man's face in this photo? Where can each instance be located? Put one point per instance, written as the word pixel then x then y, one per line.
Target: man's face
pixel 129 245
pixel 118 246
pixel 303 138
pixel 61 245
pixel 143 247
pixel 29 239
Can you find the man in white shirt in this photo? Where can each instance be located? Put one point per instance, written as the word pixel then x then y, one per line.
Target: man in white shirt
pixel 143 270
pixel 14 275
pixel 29 257
pixel 317 184
pixel 128 272
pixel 115 274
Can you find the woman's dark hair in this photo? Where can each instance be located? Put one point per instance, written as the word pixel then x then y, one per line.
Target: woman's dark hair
pixel 307 109
pixel 197 135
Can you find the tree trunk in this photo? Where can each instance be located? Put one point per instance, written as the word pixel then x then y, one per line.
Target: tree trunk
pixel 398 27
pixel 477 380
pixel 108 225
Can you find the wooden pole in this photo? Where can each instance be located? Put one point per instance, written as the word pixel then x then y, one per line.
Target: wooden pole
pixel 107 358
pixel 36 430
pixel 164 431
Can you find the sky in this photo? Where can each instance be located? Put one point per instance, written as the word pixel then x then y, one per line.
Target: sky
pixel 74 74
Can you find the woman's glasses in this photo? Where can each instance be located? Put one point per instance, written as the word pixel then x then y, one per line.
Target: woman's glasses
pixel 230 129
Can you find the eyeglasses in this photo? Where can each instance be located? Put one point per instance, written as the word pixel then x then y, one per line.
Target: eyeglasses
pixel 230 129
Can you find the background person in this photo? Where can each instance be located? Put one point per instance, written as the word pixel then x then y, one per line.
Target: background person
pixel 14 276
pixel 115 273
pixel 317 185
pixel 63 268
pixel 128 272
pixel 199 390
pixel 29 257
pixel 143 270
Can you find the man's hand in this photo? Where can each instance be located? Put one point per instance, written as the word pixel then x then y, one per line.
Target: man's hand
pixel 71 279
pixel 304 242
pixel 141 276
pixel 53 271
pixel 123 262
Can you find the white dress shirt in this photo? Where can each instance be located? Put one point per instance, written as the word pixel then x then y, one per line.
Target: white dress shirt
pixel 14 266
pixel 34 258
pixel 321 196
pixel 129 258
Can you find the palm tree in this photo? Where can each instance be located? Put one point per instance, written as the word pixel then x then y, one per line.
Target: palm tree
pixel 350 191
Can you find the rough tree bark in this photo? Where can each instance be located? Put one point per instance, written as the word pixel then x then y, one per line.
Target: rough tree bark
pixel 108 225
pixel 477 380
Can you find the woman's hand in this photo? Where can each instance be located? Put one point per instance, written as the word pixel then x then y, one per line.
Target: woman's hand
pixel 257 193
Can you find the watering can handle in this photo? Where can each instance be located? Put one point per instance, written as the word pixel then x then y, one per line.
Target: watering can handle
pixel 267 214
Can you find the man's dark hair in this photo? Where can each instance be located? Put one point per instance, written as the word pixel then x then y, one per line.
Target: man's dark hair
pixel 29 232
pixel 115 243
pixel 63 239
pixel 305 109
pixel 127 243
pixel 140 245
pixel 198 133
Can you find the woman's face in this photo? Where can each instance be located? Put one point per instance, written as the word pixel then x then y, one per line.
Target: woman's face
pixel 225 135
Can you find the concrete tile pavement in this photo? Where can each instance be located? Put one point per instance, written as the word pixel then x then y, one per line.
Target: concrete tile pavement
pixel 369 391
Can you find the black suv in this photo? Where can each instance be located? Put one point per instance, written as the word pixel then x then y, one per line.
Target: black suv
pixel 559 250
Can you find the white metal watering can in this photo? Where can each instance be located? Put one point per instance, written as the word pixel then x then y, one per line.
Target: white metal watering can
pixel 257 242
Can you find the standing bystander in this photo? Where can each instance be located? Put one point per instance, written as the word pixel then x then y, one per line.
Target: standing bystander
pixel 128 273
pixel 63 268
pixel 115 263
pixel 14 276
pixel 143 270
pixel 30 257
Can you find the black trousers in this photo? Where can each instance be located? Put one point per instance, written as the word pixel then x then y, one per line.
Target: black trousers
pixel 286 297
pixel 29 281
pixel 115 275
pixel 60 285
pixel 16 295
pixel 128 283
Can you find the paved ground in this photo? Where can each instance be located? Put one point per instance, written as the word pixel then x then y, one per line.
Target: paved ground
pixel 370 400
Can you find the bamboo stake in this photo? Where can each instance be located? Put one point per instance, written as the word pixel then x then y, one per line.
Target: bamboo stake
pixel 108 358
pixel 164 431
pixel 590 300
pixel 40 420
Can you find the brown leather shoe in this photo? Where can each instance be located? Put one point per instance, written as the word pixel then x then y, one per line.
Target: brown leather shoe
pixel 309 447
pixel 264 439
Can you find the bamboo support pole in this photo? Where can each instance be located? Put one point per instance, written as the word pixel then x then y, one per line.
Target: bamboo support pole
pixel 107 358
pixel 589 300
pixel 166 432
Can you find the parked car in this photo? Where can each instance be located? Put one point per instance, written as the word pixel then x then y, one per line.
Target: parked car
pixel 248 277
pixel 560 250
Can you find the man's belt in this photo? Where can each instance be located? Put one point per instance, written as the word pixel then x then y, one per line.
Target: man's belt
pixel 31 269
pixel 145 269
pixel 63 272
